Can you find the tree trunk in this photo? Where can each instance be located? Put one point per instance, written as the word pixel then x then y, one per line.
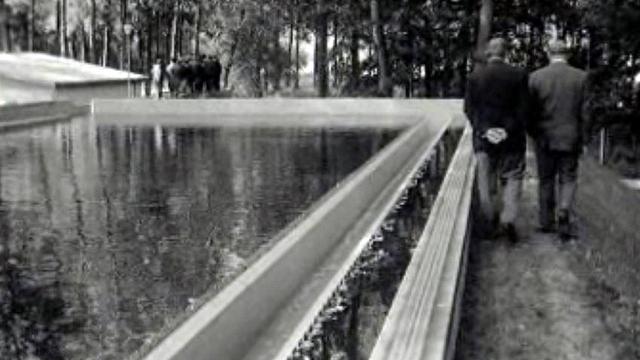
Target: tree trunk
pixel 229 65
pixel 354 50
pixel 167 42
pixel 292 15
pixel 198 25
pixel 296 79
pixel 316 50
pixel 466 42
pixel 174 29
pixel 484 29
pixel 149 44
pixel 4 47
pixel 277 64
pixel 158 34
pixel 123 43
pixel 105 46
pixel 83 43
pixel 106 41
pixel 32 27
pixel 72 46
pixel 384 82
pixel 65 27
pixel 58 26
pixel 445 78
pixel 92 33
pixel 409 59
pixel 335 53
pixel 322 50
pixel 62 29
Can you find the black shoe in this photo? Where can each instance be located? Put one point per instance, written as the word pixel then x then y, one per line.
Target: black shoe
pixel 510 232
pixel 564 225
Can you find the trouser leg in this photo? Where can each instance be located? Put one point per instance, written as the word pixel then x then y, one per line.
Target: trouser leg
pixel 510 200
pixel 511 173
pixel 547 185
pixel 568 173
pixel 486 175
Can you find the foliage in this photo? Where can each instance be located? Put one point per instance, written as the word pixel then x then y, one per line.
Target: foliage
pixel 427 44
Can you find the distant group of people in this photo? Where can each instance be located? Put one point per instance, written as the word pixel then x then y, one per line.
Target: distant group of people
pixel 503 104
pixel 187 77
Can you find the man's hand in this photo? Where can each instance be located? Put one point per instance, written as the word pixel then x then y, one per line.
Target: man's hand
pixel 496 135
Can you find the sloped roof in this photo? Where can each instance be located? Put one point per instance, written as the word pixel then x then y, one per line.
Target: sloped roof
pixel 53 70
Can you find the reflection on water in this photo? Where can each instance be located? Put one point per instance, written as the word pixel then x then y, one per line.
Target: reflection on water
pixel 109 234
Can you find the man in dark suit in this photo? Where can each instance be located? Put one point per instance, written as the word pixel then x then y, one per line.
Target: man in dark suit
pixel 558 126
pixel 496 105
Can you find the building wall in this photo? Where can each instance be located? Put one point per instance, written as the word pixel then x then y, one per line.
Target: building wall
pixel 18 92
pixel 21 92
pixel 82 95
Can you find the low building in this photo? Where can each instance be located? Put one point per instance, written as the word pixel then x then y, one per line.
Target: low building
pixel 36 77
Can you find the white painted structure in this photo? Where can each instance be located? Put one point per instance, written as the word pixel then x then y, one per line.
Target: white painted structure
pixel 37 77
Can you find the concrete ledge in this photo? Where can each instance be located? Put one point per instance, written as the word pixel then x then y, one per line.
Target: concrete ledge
pixel 268 295
pixel 275 106
pixel 422 321
pixel 278 112
pixel 262 121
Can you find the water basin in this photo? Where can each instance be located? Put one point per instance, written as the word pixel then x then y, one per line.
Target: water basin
pixel 113 234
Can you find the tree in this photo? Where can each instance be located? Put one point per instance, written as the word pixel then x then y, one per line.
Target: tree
pixel 92 32
pixel 4 26
pixel 384 82
pixel 322 51
pixel 484 28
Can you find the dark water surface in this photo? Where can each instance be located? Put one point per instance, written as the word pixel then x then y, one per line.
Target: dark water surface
pixel 109 234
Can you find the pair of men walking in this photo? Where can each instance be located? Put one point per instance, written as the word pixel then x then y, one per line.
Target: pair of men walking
pixel 503 103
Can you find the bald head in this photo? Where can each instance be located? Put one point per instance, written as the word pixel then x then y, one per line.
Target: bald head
pixel 496 49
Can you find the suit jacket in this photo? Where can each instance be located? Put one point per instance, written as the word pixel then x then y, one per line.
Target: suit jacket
pixel 559 107
pixel 497 96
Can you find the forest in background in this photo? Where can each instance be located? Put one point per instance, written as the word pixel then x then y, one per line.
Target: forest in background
pixel 362 47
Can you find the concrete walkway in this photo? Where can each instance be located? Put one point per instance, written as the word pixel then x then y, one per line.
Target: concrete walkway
pixel 534 300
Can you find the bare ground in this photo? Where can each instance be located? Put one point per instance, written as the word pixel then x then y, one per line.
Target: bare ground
pixel 540 299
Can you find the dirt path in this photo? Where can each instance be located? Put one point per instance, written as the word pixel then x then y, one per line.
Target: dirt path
pixel 532 300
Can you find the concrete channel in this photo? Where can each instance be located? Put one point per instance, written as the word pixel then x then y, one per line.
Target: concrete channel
pixel 266 311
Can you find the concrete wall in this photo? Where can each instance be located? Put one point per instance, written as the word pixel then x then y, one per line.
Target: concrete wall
pixel 84 94
pixel 20 92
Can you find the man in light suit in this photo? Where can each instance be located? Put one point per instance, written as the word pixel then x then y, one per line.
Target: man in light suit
pixel 496 105
pixel 558 127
